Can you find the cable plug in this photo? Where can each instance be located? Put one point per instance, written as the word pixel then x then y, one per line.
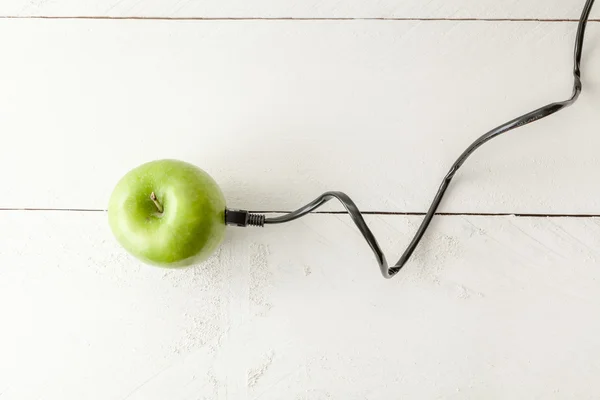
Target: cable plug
pixel 243 218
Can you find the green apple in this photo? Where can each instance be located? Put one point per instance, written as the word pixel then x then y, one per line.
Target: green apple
pixel 168 213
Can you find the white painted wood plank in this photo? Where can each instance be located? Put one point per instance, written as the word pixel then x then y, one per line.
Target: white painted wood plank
pixel 498 307
pixel 536 9
pixel 280 111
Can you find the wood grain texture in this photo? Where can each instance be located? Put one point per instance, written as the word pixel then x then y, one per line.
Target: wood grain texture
pixel 297 9
pixel 280 111
pixel 491 307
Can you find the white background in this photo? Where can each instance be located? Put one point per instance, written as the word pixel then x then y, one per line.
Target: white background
pixel 280 101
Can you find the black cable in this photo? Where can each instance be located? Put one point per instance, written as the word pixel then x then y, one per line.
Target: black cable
pixel 243 218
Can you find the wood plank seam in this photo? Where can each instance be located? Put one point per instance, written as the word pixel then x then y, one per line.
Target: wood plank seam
pixel 423 19
pixel 376 213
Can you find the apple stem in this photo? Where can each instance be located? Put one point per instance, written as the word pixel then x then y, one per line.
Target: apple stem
pixel 156 203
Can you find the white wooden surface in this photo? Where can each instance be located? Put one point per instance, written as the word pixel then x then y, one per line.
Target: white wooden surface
pixel 531 9
pixel 494 308
pixel 278 111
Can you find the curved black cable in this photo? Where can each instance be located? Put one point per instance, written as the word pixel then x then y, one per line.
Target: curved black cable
pixel 389 272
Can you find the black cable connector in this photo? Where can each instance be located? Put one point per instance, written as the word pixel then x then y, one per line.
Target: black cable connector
pixel 243 218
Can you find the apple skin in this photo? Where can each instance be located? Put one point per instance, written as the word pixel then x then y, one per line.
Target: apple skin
pixel 191 226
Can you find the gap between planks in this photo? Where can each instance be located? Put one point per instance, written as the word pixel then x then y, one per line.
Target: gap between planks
pixel 392 213
pixel 156 18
